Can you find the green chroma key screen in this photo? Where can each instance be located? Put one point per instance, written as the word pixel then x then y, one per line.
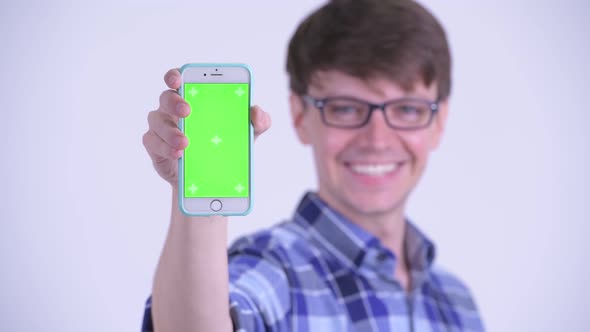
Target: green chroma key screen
pixel 216 161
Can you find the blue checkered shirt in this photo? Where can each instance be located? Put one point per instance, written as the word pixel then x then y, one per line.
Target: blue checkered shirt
pixel 320 272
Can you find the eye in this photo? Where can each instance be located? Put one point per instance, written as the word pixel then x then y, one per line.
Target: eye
pixel 410 113
pixel 344 109
pixel 408 110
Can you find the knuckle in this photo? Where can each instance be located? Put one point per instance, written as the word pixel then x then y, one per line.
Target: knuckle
pixel 146 139
pixel 163 97
pixel 167 76
pixel 151 118
pixel 170 76
pixel 168 100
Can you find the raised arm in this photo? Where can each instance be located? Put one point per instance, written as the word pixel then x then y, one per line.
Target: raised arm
pixel 190 290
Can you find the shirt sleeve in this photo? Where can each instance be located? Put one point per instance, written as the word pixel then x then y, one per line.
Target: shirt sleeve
pixel 258 292
pixel 147 324
pixel 457 295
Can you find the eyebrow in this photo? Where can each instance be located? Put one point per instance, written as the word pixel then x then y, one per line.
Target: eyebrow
pixel 371 86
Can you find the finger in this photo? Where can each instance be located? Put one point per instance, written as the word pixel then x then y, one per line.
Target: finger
pixel 164 127
pixel 173 104
pixel 260 120
pixel 157 148
pixel 172 78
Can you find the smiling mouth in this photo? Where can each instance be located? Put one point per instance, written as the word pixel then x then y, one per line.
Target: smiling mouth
pixel 373 169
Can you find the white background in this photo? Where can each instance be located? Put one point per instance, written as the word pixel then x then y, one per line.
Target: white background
pixel 83 215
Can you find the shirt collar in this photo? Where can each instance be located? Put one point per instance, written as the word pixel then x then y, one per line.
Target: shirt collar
pixel 352 245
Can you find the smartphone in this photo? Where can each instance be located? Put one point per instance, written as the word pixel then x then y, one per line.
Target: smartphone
pixel 215 169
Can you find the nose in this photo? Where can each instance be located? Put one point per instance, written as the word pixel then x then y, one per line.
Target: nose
pixel 377 132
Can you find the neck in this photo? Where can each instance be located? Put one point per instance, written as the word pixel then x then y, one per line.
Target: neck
pixel 389 227
pixel 391 231
pixel 391 234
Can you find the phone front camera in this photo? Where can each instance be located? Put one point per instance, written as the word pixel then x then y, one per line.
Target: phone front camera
pixel 204 74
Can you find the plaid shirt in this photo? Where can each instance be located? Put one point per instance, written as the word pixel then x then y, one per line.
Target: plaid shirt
pixel 320 272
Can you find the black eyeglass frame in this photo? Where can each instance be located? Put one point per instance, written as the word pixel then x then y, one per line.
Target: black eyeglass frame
pixel 320 103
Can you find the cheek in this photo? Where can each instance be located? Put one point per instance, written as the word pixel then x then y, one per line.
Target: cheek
pixel 419 144
pixel 327 146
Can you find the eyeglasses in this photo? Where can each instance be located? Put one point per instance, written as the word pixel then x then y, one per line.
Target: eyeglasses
pixel 348 112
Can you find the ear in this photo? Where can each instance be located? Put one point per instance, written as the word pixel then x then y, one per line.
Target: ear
pixel 298 116
pixel 439 123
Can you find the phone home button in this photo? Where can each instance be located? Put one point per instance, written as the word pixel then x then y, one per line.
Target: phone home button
pixel 215 205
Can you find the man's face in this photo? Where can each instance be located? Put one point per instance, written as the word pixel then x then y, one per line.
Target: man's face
pixel 368 171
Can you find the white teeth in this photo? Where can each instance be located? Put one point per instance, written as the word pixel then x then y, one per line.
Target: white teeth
pixel 373 169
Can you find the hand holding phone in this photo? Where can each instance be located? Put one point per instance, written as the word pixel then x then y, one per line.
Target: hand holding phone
pixel 165 143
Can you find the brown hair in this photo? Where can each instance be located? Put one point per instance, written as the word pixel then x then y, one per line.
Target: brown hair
pixel 396 39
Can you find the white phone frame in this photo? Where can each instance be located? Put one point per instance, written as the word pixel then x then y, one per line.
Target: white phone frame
pixel 215 73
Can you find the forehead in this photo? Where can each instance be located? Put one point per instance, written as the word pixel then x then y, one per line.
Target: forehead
pixel 337 83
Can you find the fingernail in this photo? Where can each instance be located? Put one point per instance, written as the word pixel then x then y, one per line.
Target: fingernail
pixel 179 141
pixel 180 108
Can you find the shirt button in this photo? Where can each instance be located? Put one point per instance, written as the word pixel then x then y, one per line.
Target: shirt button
pixel 382 256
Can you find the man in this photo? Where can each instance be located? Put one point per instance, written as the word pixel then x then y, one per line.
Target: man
pixel 370 82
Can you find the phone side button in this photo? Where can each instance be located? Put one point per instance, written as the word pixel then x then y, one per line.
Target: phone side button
pixel 215 205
